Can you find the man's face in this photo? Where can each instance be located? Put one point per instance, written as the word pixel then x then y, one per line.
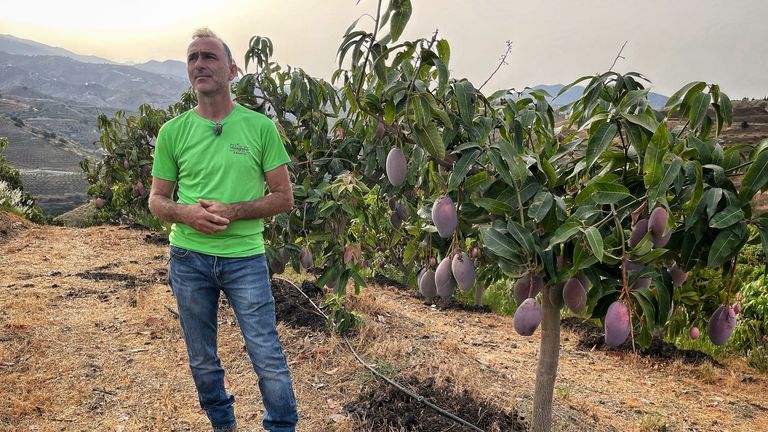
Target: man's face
pixel 208 67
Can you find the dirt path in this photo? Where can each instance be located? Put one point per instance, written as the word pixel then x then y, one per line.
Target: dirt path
pixel 89 341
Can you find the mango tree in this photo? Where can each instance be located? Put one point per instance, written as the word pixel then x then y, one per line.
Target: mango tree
pixel 602 205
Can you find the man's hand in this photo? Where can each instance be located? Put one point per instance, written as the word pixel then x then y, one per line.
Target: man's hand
pixel 226 211
pixel 202 219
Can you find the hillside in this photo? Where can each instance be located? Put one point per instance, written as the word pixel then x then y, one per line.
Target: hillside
pixel 90 342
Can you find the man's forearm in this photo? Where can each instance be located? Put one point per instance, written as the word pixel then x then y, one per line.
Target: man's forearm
pixel 166 209
pixel 269 205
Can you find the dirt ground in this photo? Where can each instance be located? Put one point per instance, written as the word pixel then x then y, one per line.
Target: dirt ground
pixel 89 341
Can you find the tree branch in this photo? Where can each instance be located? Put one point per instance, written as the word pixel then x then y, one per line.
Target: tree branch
pixel 502 62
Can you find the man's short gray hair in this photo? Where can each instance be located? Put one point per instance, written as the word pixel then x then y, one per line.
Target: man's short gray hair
pixel 205 32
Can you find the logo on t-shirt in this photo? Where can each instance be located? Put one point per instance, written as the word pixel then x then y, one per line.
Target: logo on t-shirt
pixel 238 149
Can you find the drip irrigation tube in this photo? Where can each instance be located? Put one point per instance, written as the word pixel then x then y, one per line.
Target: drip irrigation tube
pixel 417 397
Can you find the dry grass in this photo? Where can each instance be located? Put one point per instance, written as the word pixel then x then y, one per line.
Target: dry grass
pixel 87 342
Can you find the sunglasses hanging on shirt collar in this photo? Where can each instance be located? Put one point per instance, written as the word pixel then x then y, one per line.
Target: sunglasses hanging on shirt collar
pixel 217 129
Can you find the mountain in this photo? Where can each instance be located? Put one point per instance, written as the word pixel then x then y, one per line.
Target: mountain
pixel 172 68
pixel 100 85
pixel 654 99
pixel 14 45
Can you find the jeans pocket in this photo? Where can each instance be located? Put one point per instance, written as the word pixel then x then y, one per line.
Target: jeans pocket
pixel 178 253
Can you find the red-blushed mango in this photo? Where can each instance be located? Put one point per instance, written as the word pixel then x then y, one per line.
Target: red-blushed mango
pixel 721 325
pixel 463 271
pixel 474 252
pixel 695 333
pixel 444 216
pixel 660 240
pixel 394 218
pixel 427 286
pixel 444 280
pixel 392 203
pixel 631 266
pixel 641 283
pixel 401 211
pixel 284 255
pixel 277 266
pixel 638 232
pixel 528 286
pixel 99 203
pixel 657 223
pixel 556 296
pixel 432 261
pixel 527 317
pixel 585 282
pixel 574 295
pixel 397 167
pixel 737 308
pixel 305 257
pixel 616 324
pixel 381 129
pixel 679 276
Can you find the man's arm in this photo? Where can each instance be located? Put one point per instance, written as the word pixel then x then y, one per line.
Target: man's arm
pixel 161 204
pixel 279 200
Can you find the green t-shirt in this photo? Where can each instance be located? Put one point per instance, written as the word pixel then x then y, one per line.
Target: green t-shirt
pixel 228 168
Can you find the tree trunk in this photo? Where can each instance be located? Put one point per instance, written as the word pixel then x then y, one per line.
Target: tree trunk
pixel 546 372
pixel 478 294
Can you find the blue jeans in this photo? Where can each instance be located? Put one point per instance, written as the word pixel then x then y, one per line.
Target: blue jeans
pixel 196 280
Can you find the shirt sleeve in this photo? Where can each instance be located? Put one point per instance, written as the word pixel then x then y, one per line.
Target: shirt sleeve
pixel 274 153
pixel 164 165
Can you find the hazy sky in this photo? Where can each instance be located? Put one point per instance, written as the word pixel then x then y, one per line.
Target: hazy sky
pixel 671 42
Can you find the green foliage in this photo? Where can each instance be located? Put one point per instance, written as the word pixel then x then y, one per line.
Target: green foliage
pixel 122 179
pixel 339 317
pixel 534 185
pixel 12 196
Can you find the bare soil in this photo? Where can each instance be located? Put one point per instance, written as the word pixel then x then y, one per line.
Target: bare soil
pixel 89 341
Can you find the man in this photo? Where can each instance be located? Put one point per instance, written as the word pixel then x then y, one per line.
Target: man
pixel 220 154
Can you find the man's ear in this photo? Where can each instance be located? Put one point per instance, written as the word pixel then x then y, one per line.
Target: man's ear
pixel 232 71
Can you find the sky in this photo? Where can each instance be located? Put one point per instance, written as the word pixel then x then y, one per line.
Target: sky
pixel 671 42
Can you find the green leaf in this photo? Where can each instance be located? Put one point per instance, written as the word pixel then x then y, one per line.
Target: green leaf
pixel 673 170
pixel 726 108
pixel 727 243
pixel 478 182
pixel 644 120
pixel 540 206
pixel 444 51
pixel 602 192
pixel 727 217
pixel 644 298
pixel 460 169
pixel 632 98
pixel 654 155
pixel 430 140
pixel 599 141
pixel 523 236
pixel 761 223
pixel 501 167
pixel 400 17
pixel 664 294
pixel 564 232
pixel 699 107
pixel 499 244
pixel 464 91
pixel 678 96
pixel 595 241
pixel 494 206
pixel 756 177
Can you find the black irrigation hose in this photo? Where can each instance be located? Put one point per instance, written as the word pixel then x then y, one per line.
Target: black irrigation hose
pixel 415 396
